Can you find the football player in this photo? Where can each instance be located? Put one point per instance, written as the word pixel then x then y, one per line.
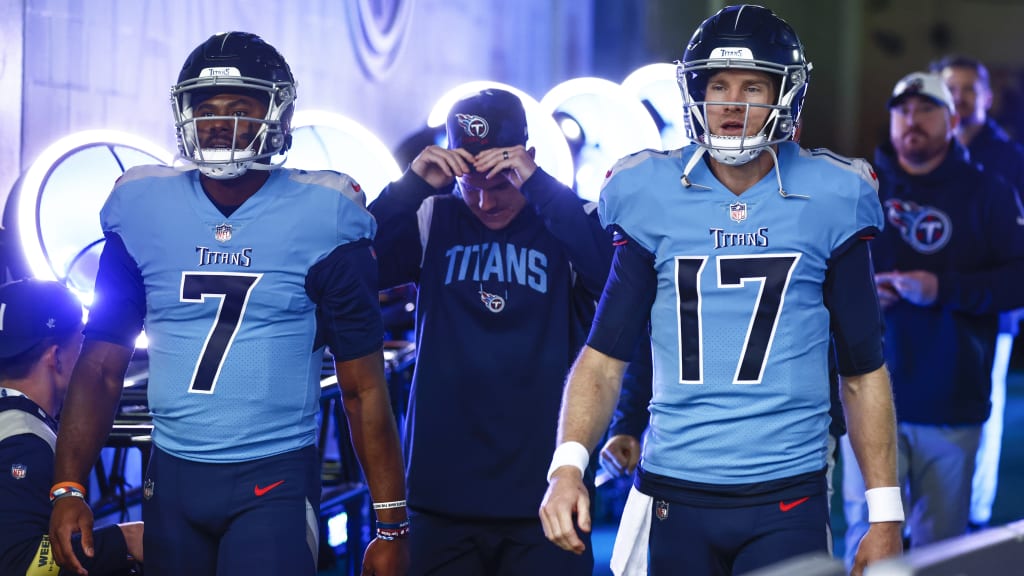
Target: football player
pixel 241 271
pixel 746 250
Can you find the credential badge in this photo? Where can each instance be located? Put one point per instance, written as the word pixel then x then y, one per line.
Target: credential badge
pixel 738 211
pixel 222 232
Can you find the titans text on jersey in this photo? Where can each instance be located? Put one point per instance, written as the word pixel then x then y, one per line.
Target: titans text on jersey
pixel 241 258
pixel 725 239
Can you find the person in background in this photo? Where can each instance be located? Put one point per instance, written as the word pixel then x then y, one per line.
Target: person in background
pixel 508 264
pixel 988 145
pixel 949 261
pixel 241 272
pixel 746 253
pixel 40 339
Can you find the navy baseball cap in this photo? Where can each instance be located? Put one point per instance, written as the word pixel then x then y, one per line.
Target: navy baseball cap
pixel 32 310
pixel 490 118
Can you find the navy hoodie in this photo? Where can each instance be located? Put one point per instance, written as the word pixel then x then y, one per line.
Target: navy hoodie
pixel 964 225
pixel 500 317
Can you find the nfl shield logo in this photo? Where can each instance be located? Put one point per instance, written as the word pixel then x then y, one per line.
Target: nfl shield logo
pixel 738 211
pixel 18 471
pixel 661 509
pixel 222 232
pixel 147 489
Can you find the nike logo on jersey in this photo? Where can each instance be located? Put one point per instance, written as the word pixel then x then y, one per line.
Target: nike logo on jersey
pixel 787 506
pixel 261 491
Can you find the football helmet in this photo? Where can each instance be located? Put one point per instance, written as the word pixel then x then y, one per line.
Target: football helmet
pixel 751 38
pixel 235 62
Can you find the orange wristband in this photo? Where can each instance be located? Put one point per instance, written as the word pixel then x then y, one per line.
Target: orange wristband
pixel 60 485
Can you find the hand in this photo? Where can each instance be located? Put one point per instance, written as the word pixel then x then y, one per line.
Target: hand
pixel 133 538
pixel 565 497
pixel 386 558
pixel 440 166
pixel 887 294
pixel 620 455
pixel 884 539
pixel 518 166
pixel 918 287
pixel 70 515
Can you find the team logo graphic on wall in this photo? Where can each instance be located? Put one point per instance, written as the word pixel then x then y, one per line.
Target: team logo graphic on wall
pixel 222 232
pixel 661 509
pixel 493 302
pixel 19 471
pixel 738 211
pixel 926 229
pixel 473 125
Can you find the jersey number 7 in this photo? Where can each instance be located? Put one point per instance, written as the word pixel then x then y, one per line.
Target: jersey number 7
pixel 772 271
pixel 233 290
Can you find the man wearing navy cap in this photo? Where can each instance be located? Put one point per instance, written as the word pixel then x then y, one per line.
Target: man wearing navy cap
pixel 40 338
pixel 508 263
pixel 950 259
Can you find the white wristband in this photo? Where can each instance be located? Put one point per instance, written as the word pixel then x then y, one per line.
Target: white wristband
pixel 569 454
pixel 884 504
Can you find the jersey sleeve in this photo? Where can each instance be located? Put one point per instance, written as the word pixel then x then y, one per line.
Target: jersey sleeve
pixel 868 217
pixel 625 304
pixel 852 301
pixel 119 305
pixel 354 221
pixel 344 287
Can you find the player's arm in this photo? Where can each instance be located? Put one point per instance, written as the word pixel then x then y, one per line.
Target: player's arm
pixel 592 389
pixel 344 286
pixel 575 224
pixel 621 452
pixel 867 396
pixel 94 393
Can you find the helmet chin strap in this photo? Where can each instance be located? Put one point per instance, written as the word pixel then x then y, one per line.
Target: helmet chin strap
pixel 699 153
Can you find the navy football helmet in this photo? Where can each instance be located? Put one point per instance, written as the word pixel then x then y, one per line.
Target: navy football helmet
pixel 235 62
pixel 752 38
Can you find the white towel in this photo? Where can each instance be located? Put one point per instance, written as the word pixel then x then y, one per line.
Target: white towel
pixel 629 557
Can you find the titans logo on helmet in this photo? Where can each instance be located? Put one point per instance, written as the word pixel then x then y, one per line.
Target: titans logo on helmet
pixel 926 229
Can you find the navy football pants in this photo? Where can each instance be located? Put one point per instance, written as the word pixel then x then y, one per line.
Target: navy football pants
pixel 705 541
pixel 249 518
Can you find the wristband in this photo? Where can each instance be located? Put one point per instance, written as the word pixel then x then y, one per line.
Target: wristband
pixel 389 505
pixel 884 504
pixel 392 530
pixel 60 489
pixel 65 492
pixel 569 454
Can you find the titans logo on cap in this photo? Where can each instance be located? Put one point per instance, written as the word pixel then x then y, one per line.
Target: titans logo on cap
pixel 473 125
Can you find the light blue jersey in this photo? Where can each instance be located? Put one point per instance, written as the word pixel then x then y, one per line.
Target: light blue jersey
pixel 234 374
pixel 739 327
